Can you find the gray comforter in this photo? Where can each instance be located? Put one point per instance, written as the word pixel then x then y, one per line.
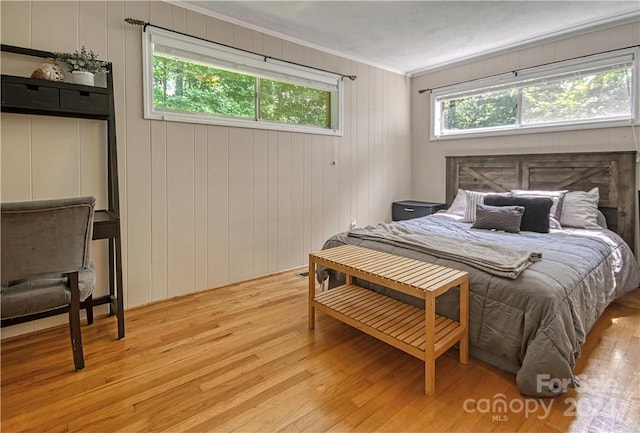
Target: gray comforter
pixel 533 326
pixel 497 259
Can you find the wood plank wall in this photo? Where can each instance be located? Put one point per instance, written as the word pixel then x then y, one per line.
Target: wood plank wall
pixel 202 206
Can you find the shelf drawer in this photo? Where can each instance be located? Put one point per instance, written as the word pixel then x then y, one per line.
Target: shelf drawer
pixel 30 96
pixel 105 225
pixel 84 101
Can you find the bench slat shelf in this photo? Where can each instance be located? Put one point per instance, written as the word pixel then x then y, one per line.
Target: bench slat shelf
pixel 368 311
pixel 418 332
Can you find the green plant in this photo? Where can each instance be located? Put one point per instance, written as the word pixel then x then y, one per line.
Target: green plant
pixel 83 60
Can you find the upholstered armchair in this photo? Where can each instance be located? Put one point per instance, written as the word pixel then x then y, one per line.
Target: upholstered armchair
pixel 45 262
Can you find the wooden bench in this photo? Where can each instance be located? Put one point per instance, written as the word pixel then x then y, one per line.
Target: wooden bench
pixel 421 333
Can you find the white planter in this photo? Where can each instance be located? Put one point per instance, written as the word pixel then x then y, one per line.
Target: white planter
pixel 82 77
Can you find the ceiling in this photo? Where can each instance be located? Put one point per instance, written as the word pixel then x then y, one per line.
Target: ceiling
pixel 416 36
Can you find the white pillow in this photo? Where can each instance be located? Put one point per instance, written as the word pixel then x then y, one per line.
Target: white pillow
pixel 474 198
pixel 459 205
pixel 602 220
pixel 580 209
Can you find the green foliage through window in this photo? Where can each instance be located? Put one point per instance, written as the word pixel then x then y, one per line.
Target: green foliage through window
pixel 571 97
pixel 186 86
pixel 592 96
pixel 290 103
pixel 480 111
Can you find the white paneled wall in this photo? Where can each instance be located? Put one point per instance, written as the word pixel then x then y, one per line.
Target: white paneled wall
pixel 428 157
pixel 202 206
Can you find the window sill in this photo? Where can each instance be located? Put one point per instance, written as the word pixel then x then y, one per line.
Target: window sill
pixel 535 130
pixel 240 123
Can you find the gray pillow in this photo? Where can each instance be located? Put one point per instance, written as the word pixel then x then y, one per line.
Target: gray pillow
pixel 474 198
pixel 536 210
pixel 507 218
pixel 556 196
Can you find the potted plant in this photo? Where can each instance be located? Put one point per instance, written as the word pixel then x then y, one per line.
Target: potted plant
pixel 83 65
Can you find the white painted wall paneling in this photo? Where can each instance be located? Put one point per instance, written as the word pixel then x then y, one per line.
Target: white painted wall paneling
pixel 203 206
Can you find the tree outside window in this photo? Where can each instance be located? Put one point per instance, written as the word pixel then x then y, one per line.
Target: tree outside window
pixel 180 85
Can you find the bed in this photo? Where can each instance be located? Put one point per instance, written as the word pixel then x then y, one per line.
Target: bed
pixel 534 322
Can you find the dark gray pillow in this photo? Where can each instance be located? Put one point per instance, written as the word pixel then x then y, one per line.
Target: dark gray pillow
pixel 536 210
pixel 507 218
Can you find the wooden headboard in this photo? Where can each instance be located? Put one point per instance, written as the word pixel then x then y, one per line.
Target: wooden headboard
pixel 614 173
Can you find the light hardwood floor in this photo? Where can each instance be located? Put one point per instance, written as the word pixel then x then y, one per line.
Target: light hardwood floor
pixel 241 358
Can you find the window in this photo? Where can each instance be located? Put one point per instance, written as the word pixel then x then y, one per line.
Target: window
pixel 190 80
pixel 594 91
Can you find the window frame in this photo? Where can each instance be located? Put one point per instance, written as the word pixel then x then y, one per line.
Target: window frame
pixel 516 80
pixel 243 62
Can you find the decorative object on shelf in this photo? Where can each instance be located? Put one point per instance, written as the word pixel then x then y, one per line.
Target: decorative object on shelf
pixel 83 65
pixel 49 70
pixel 83 77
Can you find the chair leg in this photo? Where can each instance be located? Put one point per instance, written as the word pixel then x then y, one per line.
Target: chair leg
pixel 74 322
pixel 88 308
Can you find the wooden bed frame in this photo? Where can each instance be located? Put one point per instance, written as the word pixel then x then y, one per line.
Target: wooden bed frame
pixel 614 173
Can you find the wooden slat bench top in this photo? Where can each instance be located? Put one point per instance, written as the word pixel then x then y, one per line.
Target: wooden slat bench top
pixel 421 333
pixel 410 276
